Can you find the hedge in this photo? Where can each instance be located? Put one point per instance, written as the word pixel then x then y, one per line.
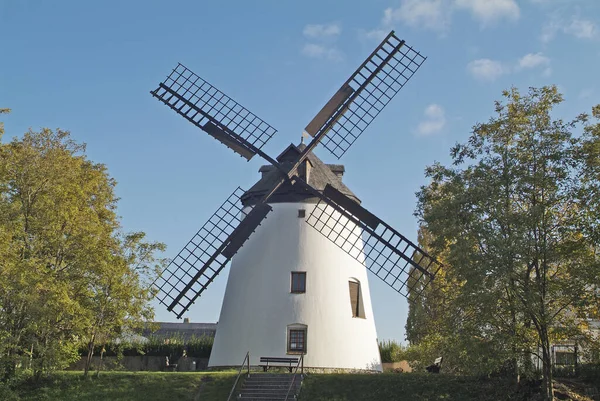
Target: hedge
pixel 198 347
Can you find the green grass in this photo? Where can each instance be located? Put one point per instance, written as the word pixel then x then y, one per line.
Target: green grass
pixel 130 386
pixel 400 387
pixel 215 386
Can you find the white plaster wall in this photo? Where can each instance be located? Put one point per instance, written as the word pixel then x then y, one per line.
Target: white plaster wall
pixel 258 305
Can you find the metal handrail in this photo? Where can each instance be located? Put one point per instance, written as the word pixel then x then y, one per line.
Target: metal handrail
pixel 246 358
pixel 300 361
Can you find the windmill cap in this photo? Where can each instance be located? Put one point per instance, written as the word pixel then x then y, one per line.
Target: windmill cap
pixel 319 175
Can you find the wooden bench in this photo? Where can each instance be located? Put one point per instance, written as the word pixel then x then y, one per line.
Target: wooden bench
pixel 437 365
pixel 267 360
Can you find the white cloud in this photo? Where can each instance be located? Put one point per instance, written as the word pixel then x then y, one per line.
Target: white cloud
pixel 314 50
pixel 549 31
pixel 436 15
pixel 427 14
pixel 434 122
pixel 375 34
pixel 486 11
pixel 533 60
pixel 323 38
pixel 487 70
pixel 578 27
pixel 434 111
pixel 586 93
pixel 318 31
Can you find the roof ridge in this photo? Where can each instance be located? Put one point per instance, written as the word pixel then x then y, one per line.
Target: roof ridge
pixel 320 176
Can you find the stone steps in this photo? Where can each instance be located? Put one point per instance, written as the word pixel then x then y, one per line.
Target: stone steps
pixel 269 387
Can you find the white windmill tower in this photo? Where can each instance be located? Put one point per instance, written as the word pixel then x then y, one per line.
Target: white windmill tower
pixel 295 288
pixel 290 290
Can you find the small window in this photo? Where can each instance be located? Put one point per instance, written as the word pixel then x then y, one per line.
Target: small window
pixel 298 282
pixel 356 303
pixel 565 358
pixel 301 213
pixel 297 340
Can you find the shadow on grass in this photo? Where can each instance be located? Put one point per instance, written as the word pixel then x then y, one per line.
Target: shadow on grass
pixel 404 387
pixel 129 386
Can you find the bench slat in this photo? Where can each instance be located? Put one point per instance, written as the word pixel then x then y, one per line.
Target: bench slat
pixel 280 360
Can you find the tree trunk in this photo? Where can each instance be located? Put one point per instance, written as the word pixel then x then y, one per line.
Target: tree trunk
pixel 101 361
pixel 547 367
pixel 30 357
pixel 90 354
pixel 513 331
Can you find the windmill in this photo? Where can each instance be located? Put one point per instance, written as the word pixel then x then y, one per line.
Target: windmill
pixel 289 289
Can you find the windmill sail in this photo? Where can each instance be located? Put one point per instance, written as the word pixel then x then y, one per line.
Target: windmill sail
pixel 207 253
pixel 388 254
pixel 214 112
pixel 360 99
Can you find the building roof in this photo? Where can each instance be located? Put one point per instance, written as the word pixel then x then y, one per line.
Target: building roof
pixel 183 330
pixel 319 175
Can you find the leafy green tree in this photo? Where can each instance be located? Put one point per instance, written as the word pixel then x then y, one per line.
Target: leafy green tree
pixel 515 220
pixel 121 293
pixel 60 248
pixel 3 111
pixel 441 323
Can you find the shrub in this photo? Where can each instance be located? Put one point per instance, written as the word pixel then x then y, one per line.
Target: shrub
pixel 391 351
pixel 198 347
pixel 589 372
pixel 7 393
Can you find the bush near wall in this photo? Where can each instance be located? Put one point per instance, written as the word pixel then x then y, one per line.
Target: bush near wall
pixel 198 347
pixel 589 372
pixel 391 351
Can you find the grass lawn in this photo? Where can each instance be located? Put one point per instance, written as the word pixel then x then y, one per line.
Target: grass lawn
pixel 215 386
pixel 131 386
pixel 403 387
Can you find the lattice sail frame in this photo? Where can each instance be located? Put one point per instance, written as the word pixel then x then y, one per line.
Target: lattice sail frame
pixel 204 256
pixel 385 252
pixel 372 86
pixel 338 125
pixel 213 111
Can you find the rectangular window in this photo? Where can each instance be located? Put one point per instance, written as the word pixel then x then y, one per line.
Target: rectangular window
pixel 297 340
pixel 354 297
pixel 565 358
pixel 301 213
pixel 298 282
pixel 356 303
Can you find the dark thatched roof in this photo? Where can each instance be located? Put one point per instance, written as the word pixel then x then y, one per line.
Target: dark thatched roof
pixel 319 175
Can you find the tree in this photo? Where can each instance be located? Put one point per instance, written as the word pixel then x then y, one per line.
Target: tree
pixel 3 111
pixel 443 321
pixel 120 294
pixel 60 247
pixel 515 219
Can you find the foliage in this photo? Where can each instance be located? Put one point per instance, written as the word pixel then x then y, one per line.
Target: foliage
pixel 120 298
pixel 7 393
pixel 391 351
pixel 3 111
pixel 68 274
pixel 198 347
pixel 589 372
pixel 516 222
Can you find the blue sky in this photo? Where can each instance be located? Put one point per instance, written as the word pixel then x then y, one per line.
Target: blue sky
pixel 87 66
